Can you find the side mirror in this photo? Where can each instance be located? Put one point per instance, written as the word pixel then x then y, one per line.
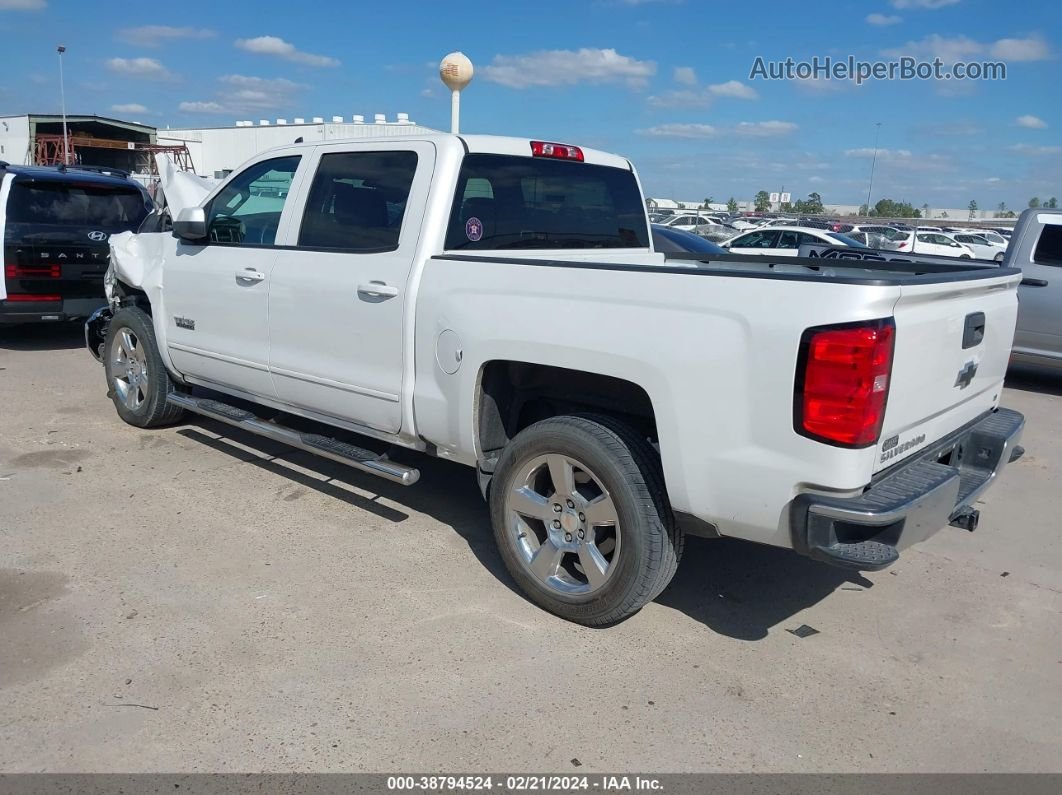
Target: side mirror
pixel 191 224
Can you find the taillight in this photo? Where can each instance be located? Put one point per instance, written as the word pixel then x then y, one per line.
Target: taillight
pixel 902 246
pixel 557 151
pixel 842 382
pixel 32 271
pixel 32 298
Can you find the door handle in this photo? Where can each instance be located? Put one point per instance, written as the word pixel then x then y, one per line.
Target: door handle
pixel 250 275
pixel 1034 282
pixel 377 290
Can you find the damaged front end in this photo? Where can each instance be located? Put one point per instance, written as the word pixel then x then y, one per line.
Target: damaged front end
pixel 133 278
pixel 134 274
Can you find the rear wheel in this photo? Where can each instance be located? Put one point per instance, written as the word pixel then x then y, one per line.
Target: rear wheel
pixel 137 381
pixel 582 520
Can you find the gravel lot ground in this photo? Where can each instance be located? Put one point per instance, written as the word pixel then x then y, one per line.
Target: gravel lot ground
pixel 197 599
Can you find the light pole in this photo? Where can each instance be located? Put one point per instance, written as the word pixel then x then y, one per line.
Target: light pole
pixel 873 162
pixel 62 101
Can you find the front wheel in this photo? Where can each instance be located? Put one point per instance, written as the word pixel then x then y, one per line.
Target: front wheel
pixel 999 257
pixel 582 519
pixel 137 381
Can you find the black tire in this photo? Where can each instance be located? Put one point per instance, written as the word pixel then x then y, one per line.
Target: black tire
pixel 148 409
pixel 629 467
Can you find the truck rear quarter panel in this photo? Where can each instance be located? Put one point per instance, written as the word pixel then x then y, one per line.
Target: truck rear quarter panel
pixel 716 354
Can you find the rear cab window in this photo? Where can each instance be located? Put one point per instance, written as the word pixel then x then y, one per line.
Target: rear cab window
pixel 513 202
pixel 1049 246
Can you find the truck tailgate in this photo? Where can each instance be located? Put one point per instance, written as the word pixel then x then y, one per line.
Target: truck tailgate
pixel 953 342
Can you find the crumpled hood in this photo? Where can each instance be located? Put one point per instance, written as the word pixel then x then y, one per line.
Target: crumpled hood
pixel 136 259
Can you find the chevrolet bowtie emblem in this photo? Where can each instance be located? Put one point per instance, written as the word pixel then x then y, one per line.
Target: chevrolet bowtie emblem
pixel 966 375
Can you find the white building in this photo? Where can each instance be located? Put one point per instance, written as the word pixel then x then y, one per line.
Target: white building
pixel 218 150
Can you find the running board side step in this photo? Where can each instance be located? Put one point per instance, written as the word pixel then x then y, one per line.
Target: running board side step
pixel 325 446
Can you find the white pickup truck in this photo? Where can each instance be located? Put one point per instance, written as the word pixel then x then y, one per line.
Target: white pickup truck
pixel 497 302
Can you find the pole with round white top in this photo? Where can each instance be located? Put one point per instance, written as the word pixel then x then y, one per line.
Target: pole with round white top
pixel 456 73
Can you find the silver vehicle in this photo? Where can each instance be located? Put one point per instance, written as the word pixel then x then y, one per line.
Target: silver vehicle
pixel 1036 248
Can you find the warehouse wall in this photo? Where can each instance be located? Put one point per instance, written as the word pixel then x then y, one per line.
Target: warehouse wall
pixel 15 140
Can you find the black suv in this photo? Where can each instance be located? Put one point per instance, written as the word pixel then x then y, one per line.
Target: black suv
pixel 55 223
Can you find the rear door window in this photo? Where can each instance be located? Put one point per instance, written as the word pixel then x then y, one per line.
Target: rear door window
pixel 358 199
pixel 512 202
pixel 85 204
pixel 764 239
pixel 790 239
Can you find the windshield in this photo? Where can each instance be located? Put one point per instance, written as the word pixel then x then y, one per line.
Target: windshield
pixel 512 202
pixel 112 207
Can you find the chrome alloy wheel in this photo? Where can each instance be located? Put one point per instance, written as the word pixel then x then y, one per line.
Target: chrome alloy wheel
pixel 564 524
pixel 129 370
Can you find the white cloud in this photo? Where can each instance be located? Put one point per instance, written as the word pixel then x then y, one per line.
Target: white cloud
pixel 764 129
pixel 951 49
pixel 129 107
pixel 1031 48
pixel 153 35
pixel 993 179
pixel 703 97
pixel 883 19
pixel 735 89
pixel 680 131
pixel 867 152
pixel 684 98
pixel 203 107
pixel 22 5
pixel 1032 122
pixel 759 129
pixel 1036 151
pixel 568 67
pixel 928 4
pixel 685 75
pixel 816 180
pixel 147 68
pixel 242 94
pixel 273 45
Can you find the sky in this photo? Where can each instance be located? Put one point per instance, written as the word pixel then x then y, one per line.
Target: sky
pixel 667 83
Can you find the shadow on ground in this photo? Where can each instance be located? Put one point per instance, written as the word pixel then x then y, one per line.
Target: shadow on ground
pixel 733 587
pixel 1028 378
pixel 43 336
